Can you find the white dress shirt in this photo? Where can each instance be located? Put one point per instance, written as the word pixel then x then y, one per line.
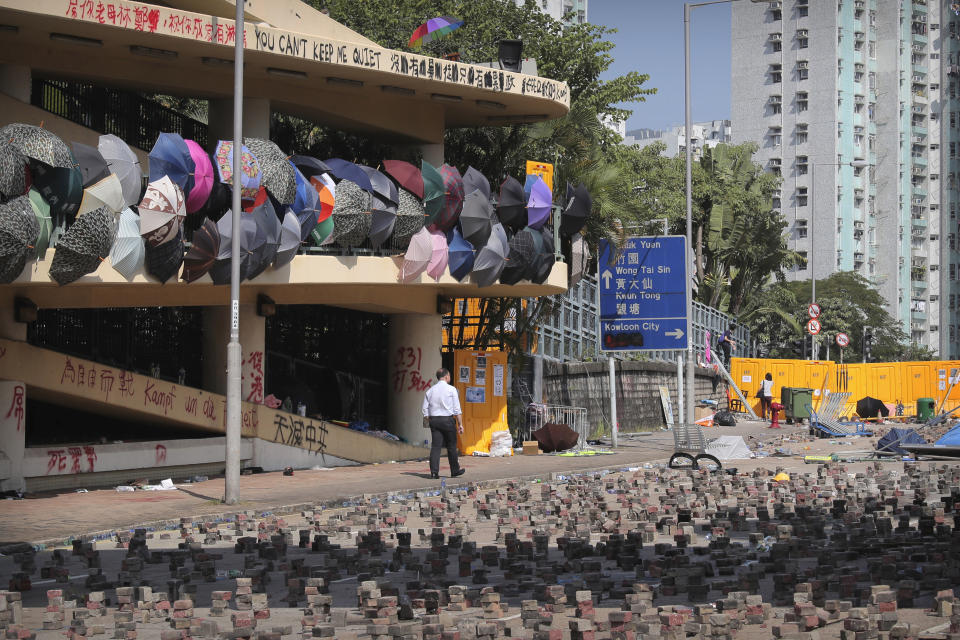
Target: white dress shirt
pixel 441 400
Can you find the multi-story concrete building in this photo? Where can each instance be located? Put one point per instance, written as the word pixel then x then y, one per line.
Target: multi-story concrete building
pixel 844 101
pixel 702 134
pixel 950 182
pixel 560 8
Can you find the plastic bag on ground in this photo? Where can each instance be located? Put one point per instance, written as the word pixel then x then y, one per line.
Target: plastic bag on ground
pixel 501 444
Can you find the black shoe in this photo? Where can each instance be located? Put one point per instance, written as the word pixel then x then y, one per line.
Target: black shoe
pixel 458 472
pixel 435 476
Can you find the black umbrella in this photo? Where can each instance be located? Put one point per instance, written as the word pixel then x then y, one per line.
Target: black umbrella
pixel 512 208
pixel 93 167
pixel 543 264
pixel 204 249
pixel 579 205
pixel 83 246
pixel 382 185
pixel 868 407
pixel 218 202
pixel 476 218
pixel 13 171
pixel 523 253
pixel 473 180
pixel 220 271
pixel 163 261
pixel 19 229
pixel 267 239
pixel 489 263
pixel 60 187
pixel 277 172
pixel 289 239
pixel 310 166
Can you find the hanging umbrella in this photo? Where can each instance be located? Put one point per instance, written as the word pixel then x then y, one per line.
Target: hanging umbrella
pixel 202 177
pixel 163 260
pixel 39 144
pixel 439 255
pixel 220 271
pixel 93 168
pixel 461 256
pixel 289 240
pixel 382 222
pixel 306 204
pixel 171 157
pixel 322 234
pixel 124 164
pixel 13 171
pixel 383 186
pixel 433 192
pixel 868 407
pixel 545 261
pixel 18 231
pixel 41 211
pixel 579 259
pixel 162 211
pixel 417 257
pixel 217 203
pixel 250 175
pixel 268 227
pixel 351 214
pixel 61 187
pixel 453 198
pixel 489 263
pixel 529 182
pixel 523 252
pixel 406 175
pixel 410 219
pixel 433 29
pixel 277 171
pixel 579 205
pixel 473 180
pixel 203 251
pixel 499 235
pixel 512 208
pixel 383 206
pixel 108 193
pixel 345 170
pixel 538 207
pixel 309 166
pixel 326 190
pixel 83 246
pixel 476 219
pixel 128 250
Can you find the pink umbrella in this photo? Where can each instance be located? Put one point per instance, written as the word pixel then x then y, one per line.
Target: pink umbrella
pixel 419 253
pixel 439 255
pixel 202 177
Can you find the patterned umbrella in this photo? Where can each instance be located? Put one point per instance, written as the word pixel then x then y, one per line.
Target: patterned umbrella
pixel 476 219
pixel 39 144
pixel 461 256
pixel 162 211
pixel 163 260
pixel 433 29
pixel 579 205
pixel 322 234
pixel 18 231
pixel 128 250
pixel 579 259
pixel 418 256
pixel 289 240
pixel 351 214
pixel 13 171
pixel 410 219
pixel 250 175
pixel 406 175
pixel 452 200
pixel 202 177
pixel 171 157
pixel 41 210
pixel 278 173
pixel 204 249
pixel 124 164
pixel 439 255
pixel 512 208
pixel 538 207
pixel 473 180
pixel 523 252
pixel 433 192
pixel 83 246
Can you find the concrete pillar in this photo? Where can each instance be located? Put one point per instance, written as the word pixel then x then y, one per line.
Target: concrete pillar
pixel 537 394
pixel 256 119
pixel 413 360
pixel 13 430
pixel 16 81
pixel 433 153
pixel 216 334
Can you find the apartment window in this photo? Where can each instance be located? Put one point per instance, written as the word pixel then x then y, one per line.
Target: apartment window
pixel 873 49
pixel 803 39
pixel 802 202
pixel 802 165
pixel 801 133
pixel 802 101
pixel 803 69
pixel 775 102
pixel 775 135
pixel 776 73
pixel 775 12
pixel 803 261
pixel 802 11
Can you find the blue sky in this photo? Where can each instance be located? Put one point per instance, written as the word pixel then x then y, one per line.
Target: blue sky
pixel 650 40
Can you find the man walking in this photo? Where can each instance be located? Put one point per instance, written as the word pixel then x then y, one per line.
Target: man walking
pixel 441 413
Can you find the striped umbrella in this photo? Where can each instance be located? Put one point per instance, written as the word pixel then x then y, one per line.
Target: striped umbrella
pixel 433 29
pixel 128 251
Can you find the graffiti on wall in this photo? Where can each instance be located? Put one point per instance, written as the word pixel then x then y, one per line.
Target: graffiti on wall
pixel 296 431
pixel 16 406
pixel 407 362
pixel 76 457
pixel 253 370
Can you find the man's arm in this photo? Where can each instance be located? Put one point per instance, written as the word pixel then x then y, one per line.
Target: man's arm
pixel 457 412
pixel 425 409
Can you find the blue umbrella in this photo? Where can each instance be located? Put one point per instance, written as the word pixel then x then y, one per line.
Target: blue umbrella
pixel 346 170
pixel 461 256
pixel 528 185
pixel 171 157
pixel 305 204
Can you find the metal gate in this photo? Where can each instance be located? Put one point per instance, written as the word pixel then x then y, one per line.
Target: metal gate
pixel 574 417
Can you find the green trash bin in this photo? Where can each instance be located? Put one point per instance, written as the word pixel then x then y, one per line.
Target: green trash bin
pixel 801 399
pixel 786 393
pixel 925 408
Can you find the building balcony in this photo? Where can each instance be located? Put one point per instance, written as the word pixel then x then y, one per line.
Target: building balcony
pixel 918 130
pixel 919 161
pixel 920 38
pixel 918 316
pixel 919 191
pixel 918 222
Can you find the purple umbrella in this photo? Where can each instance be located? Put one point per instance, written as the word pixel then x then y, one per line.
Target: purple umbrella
pixel 538 207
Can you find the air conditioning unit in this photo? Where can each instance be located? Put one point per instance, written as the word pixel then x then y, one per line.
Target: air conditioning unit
pixel 776 5
pixel 859 4
pixel 802 33
pixel 803 64
pixel 776 37
pixel 775 99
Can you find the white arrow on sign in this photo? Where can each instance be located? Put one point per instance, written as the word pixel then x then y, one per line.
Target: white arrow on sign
pixel 676 333
pixel 606 278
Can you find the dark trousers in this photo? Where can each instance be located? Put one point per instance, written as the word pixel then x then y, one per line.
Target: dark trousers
pixel 443 430
pixel 725 348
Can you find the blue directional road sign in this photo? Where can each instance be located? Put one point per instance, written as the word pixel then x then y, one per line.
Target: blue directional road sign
pixel 643 294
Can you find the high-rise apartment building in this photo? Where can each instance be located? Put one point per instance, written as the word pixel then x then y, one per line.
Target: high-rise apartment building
pixel 560 8
pixel 844 99
pixel 950 182
pixel 702 134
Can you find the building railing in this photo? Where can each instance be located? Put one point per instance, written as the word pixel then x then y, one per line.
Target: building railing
pixel 135 119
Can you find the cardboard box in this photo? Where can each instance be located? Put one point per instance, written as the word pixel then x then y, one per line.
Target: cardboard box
pixel 701 412
pixel 531 448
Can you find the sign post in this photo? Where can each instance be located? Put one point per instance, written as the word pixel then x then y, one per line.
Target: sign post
pixel 843 341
